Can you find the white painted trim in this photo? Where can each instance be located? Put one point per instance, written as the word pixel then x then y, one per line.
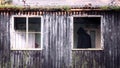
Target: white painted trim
pixel 102 39
pixel 42 32
pixel 27 31
pixel 101 26
pixel 87 16
pixel 12 31
pixel 26 49
pixel 87 49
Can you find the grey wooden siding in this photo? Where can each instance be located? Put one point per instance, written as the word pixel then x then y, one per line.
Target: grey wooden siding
pixel 57 44
pixel 4 41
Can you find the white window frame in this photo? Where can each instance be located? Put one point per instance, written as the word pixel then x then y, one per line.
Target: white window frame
pixel 101 26
pixel 12 31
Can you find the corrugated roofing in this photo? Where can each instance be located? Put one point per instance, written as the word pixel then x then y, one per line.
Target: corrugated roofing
pixel 62 5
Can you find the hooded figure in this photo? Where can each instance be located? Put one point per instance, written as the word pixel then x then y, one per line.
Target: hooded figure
pixel 84 40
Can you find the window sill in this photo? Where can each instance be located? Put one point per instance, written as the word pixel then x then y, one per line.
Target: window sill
pixel 27 49
pixel 75 49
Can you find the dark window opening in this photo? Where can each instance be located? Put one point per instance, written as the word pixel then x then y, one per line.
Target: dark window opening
pixel 87 32
pixel 20 23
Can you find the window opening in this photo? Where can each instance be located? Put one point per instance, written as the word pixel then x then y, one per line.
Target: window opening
pixel 86 32
pixel 26 33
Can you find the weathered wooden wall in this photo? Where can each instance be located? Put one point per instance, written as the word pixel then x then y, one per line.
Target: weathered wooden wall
pixel 4 41
pixel 109 57
pixel 57 44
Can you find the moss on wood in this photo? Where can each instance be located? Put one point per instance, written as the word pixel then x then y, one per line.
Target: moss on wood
pixel 110 8
pixel 55 8
pixel 45 8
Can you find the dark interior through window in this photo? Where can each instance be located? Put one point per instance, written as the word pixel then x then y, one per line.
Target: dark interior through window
pixel 20 23
pixel 87 33
pixel 27 32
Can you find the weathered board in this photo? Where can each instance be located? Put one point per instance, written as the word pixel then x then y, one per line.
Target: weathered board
pixel 57 43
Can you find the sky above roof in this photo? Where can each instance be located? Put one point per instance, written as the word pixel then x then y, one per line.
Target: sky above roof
pixel 61 2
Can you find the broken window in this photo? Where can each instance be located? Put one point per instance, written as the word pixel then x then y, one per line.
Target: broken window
pixel 86 32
